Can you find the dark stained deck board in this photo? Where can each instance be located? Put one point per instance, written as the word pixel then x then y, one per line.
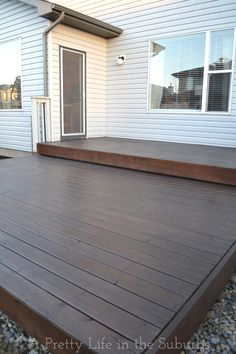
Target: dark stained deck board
pixel 139 258
pixel 172 203
pixel 33 306
pixel 41 218
pixel 137 222
pixel 102 272
pixel 143 258
pixel 133 229
pixel 206 239
pixel 97 240
pixel 87 260
pixel 123 322
pixel 150 276
pixel 165 266
pixel 220 156
pixel 208 163
pixel 172 226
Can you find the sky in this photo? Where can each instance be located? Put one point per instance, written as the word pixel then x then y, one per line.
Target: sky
pixel 10 61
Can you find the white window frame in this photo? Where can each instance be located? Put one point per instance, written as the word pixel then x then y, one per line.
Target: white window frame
pixel 22 96
pixel 205 76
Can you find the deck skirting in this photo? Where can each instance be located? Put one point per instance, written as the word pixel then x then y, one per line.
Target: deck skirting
pixel 156 162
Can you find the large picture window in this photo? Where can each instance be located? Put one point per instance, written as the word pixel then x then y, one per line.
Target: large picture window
pixel 10 75
pixel 192 72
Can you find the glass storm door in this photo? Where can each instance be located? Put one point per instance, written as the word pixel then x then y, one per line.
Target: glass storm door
pixel 72 92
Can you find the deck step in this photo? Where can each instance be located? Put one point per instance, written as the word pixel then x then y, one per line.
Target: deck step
pixel 211 164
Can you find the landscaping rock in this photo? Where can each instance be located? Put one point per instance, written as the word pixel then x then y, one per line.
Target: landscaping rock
pixel 14 340
pixel 218 331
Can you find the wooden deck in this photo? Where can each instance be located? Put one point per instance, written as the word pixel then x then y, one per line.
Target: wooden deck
pixel 108 257
pixel 207 163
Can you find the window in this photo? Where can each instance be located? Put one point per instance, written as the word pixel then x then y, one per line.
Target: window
pixel 192 72
pixel 10 75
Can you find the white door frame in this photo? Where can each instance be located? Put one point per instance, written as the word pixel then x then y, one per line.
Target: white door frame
pixel 83 55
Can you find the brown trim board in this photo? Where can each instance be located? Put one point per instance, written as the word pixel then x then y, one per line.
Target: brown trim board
pixel 187 320
pixel 201 172
pixel 36 325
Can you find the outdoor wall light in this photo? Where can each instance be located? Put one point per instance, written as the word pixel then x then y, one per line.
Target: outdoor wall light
pixel 121 59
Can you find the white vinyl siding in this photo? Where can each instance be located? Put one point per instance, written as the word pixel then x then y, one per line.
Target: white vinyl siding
pixel 96 66
pixel 18 20
pixel 142 21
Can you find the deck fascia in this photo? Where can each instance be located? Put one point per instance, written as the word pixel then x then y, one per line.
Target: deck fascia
pixel 197 171
pixel 187 320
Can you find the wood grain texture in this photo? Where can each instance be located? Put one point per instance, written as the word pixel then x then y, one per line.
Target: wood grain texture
pixel 96 251
pixel 213 164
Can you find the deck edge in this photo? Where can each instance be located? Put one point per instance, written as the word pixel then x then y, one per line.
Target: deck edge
pixel 36 325
pixel 208 173
pixel 187 320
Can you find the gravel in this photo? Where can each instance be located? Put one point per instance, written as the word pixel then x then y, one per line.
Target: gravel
pixel 216 335
pixel 14 340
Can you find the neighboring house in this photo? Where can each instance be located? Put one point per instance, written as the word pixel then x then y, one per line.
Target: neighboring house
pixel 142 69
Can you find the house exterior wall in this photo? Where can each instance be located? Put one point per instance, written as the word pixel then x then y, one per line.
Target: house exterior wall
pixel 18 20
pixel 96 67
pixel 143 20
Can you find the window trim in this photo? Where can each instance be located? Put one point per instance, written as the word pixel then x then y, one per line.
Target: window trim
pixel 205 76
pixel 22 95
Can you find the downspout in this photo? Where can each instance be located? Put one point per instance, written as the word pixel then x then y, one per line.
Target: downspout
pixel 45 49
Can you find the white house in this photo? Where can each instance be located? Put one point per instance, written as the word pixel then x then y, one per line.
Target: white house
pixel 159 70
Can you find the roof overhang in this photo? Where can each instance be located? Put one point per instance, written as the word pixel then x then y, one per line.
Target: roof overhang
pixel 52 11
